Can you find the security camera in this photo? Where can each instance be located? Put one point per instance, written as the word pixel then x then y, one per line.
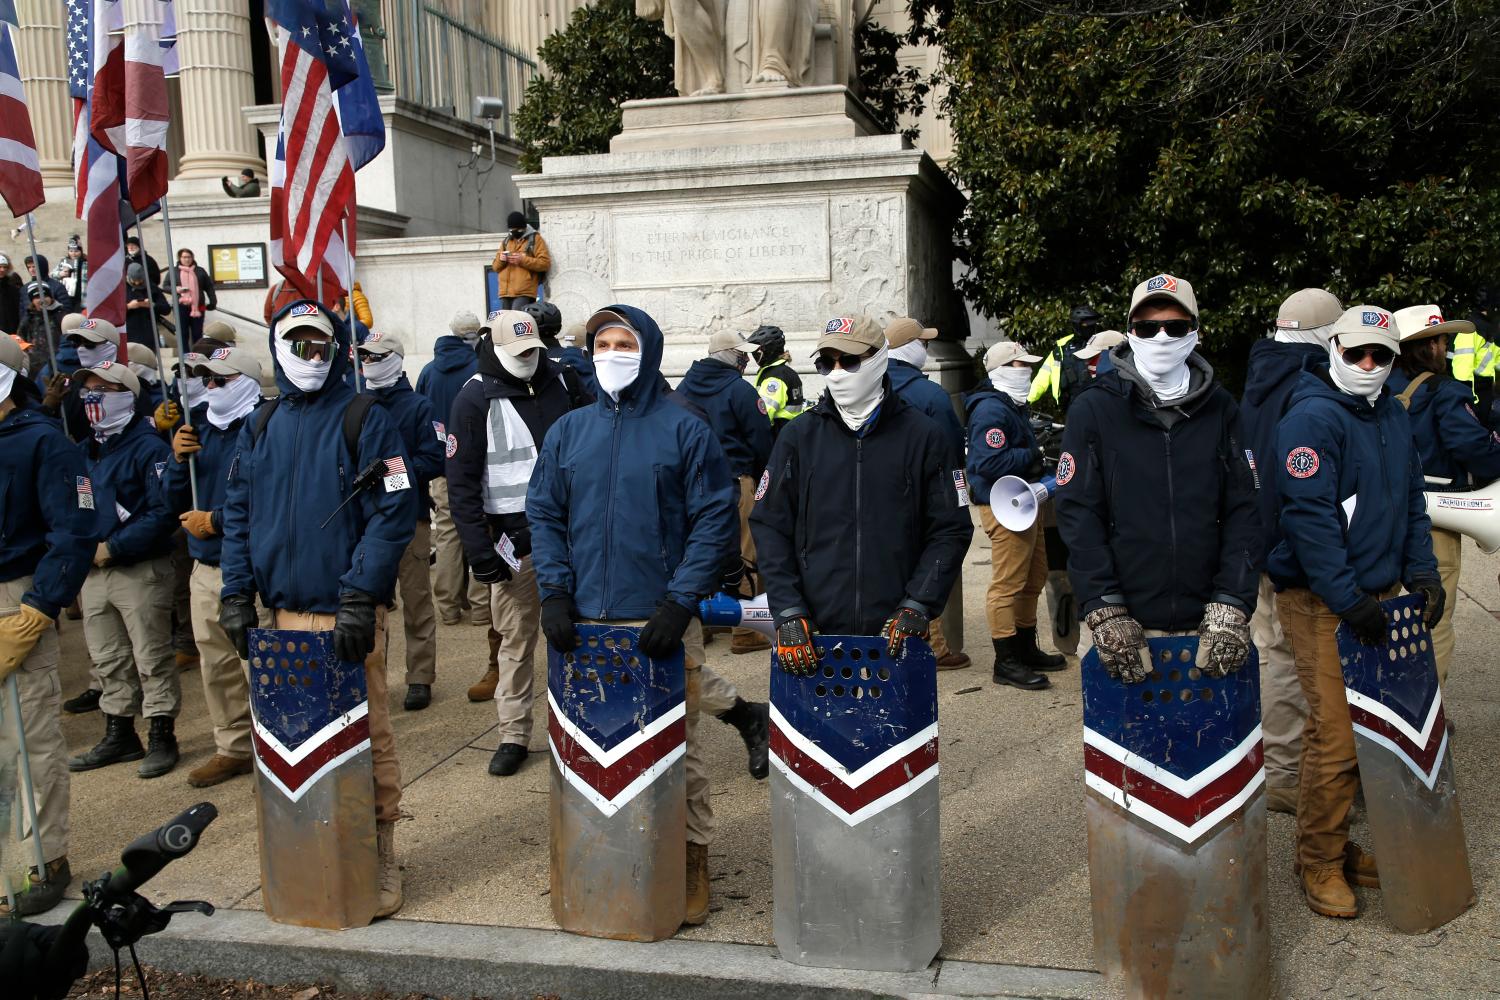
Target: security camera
pixel 488 108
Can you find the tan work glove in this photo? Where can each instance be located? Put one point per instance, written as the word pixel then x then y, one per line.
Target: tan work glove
pixel 185 442
pixel 101 554
pixel 198 523
pixel 18 634
pixel 166 416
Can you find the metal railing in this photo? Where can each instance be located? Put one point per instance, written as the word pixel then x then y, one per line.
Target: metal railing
pixel 441 63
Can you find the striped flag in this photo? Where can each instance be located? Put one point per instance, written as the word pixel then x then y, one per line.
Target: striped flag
pixel 20 168
pixel 145 103
pixel 107 111
pixel 96 173
pixel 359 107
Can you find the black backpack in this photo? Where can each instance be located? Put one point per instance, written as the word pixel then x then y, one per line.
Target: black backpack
pixel 354 420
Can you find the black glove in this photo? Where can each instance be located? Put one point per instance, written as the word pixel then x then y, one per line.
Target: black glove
pixel 29 963
pixel 908 622
pixel 490 571
pixel 1367 621
pixel 663 633
pixel 557 624
pixel 1437 599
pixel 237 617
pixel 354 627
pixel 1036 467
pixel 794 647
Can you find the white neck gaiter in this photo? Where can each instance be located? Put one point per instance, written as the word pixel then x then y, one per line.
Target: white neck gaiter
pixel 7 380
pixel 913 353
pixel 857 394
pixel 1014 382
pixel 90 355
pixel 1354 380
pixel 108 412
pixel 1162 362
pixel 1317 336
pixel 231 402
pixel 193 392
pixel 308 376
pixel 521 368
pixel 616 370
pixel 384 373
pixel 145 373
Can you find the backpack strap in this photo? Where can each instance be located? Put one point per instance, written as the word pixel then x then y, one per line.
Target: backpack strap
pixel 354 421
pixel 262 417
pixel 1410 390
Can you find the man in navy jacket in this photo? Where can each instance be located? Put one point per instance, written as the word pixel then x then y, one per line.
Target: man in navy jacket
pixel 293 471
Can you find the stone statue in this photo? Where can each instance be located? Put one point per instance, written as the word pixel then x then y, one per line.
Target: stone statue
pixel 741 43
pixel 698 28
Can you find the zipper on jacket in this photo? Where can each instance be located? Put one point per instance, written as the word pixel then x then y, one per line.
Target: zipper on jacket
pixel 295 492
pixel 859 573
pixel 609 506
pixel 1172 526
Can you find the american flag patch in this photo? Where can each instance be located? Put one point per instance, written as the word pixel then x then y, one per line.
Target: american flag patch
pixel 85 493
pixel 219 354
pixel 1375 318
pixel 304 309
pixel 961 487
pixel 1254 472
pixel 395 475
pixel 440 431
pixel 90 324
pixel 842 324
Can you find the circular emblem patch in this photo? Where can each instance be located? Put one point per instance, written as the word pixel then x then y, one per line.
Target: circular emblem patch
pixel 765 482
pixel 1302 463
pixel 994 437
pixel 1065 468
pixel 452 446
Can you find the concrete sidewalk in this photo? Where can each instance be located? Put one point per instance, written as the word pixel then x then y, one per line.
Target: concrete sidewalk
pixel 1015 878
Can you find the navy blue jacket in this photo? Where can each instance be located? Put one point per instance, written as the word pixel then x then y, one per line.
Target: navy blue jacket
pixel 735 412
pixel 577 358
pixel 932 399
pixel 453 363
pixel 1451 442
pixel 1336 455
pixel 130 507
pixel 1273 373
pixel 284 483
pixel 213 461
pixel 1000 440
pixel 631 502
pixel 47 507
pixel 425 436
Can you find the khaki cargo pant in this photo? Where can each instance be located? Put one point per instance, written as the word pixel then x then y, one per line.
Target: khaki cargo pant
pixel 127 622
pixel 414 587
pixel 1018 574
pixel 226 687
pixel 448 574
pixel 40 694
pixel 382 738
pixel 747 540
pixel 516 617
pixel 1283 709
pixel 1447 548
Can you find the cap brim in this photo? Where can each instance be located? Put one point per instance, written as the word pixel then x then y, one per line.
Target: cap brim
pixel 848 345
pixel 928 333
pixel 219 367
pixel 114 373
pixel 1089 352
pixel 320 323
pixel 92 336
pixel 1171 297
pixel 1364 338
pixel 1438 329
pixel 375 348
pixel 516 348
pixel 741 346
pixel 607 317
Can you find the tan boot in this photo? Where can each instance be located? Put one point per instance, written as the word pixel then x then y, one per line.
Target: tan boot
pixel 484 688
pixel 390 872
pixel 1327 892
pixel 697 884
pixel 218 769
pixel 187 661
pixel 745 640
pixel 1281 798
pixel 1359 867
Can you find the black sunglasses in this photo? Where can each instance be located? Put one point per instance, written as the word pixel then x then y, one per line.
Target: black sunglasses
pixel 1174 328
pixel 825 363
pixel 1382 356
pixel 218 381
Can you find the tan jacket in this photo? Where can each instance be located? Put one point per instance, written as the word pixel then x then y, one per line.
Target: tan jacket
pixel 522 278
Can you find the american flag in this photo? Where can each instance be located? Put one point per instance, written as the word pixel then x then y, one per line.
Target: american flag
pixel 96 173
pixel 395 466
pixel 107 104
pixel 20 169
pixel 146 102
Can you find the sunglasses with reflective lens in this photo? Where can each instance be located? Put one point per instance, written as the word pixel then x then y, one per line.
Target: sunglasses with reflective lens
pixel 825 363
pixel 309 350
pixel 1174 328
pixel 1382 356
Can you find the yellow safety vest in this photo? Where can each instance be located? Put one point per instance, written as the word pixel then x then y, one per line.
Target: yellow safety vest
pixel 1049 375
pixel 775 393
pixel 1473 357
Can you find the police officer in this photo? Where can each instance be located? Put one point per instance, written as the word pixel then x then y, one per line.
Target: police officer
pixel 1001 444
pixel 1063 373
pixel 1458 452
pixel 46 544
pixel 294 469
pixel 1344 438
pixel 426 440
pixel 863 461
pixel 616 485
pixel 780 387
pixel 1156 497
pixel 1303 325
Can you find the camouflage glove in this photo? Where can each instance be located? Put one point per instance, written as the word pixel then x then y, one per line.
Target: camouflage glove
pixel 1121 643
pixel 1223 639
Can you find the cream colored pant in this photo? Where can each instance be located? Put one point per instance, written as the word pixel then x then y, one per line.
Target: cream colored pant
pixel 226 686
pixel 1283 708
pixel 127 622
pixel 41 700
pixel 448 575
pixel 1448 550
pixel 414 586
pixel 516 616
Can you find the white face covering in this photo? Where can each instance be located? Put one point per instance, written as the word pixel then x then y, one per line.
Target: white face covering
pixel 145 373
pixel 522 368
pixel 384 372
pixel 856 394
pixel 108 412
pixel 470 337
pixel 913 353
pixel 1014 382
pixel 1317 336
pixel 228 404
pixel 193 390
pixel 90 355
pixel 616 370
pixel 1162 362
pixel 1352 379
pixel 7 379
pixel 308 376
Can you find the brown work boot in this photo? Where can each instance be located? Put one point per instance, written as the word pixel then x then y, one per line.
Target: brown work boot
pixel 745 640
pixel 1281 798
pixel 218 770
pixel 1327 892
pixel 697 884
pixel 953 661
pixel 187 661
pixel 389 882
pixel 1359 867
pixel 484 688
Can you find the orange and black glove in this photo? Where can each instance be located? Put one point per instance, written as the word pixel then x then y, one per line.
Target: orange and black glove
pixel 907 623
pixel 794 647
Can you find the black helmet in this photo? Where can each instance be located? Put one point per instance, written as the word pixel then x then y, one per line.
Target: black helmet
pixel 547 316
pixel 1085 321
pixel 769 342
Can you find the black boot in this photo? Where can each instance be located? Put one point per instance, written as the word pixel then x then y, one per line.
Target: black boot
pixel 161 748
pixel 753 720
pixel 418 697
pixel 1029 653
pixel 120 743
pixel 84 703
pixel 1010 670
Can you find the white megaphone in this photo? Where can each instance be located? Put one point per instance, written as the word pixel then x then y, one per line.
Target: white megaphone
pixel 726 609
pixel 1015 502
pixel 1473 514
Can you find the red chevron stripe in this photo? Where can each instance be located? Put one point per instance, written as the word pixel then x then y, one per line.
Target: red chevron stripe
pixel 851 800
pixel 611 781
pixel 1184 810
pixel 293 776
pixel 1423 757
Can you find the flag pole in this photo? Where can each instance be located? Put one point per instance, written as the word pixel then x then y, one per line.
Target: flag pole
pixel 182 345
pixel 359 382
pixel 13 695
pixel 161 371
pixel 46 319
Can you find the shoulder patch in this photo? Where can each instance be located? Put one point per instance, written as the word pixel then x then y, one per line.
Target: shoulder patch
pixel 1065 468
pixel 396 477
pixel 440 431
pixel 961 487
pixel 765 483
pixel 161 469
pixel 452 448
pixel 85 493
pixel 760 404
pixel 770 387
pixel 994 437
pixel 1302 463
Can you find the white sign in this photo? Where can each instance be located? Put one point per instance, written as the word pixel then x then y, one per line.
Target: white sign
pixel 722 245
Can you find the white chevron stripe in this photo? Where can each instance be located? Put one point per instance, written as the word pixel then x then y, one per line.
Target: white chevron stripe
pixel 1186 787
pixel 609 757
pixel 1429 778
pixel 314 741
pixel 316 776
pixel 1160 820
pixel 859 776
pixel 1375 708
pixel 611 806
pixel 864 812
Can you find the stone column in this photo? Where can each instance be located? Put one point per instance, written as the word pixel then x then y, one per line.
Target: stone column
pixel 41 51
pixel 213 37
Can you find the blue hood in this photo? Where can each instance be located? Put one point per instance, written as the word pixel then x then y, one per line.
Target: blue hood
pixel 711 375
pixel 451 354
pixel 647 386
pixel 1272 363
pixel 979 394
pixel 1313 384
pixel 902 374
pixel 340 365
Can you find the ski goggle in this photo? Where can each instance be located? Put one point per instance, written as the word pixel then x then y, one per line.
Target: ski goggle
pixel 825 363
pixel 310 350
pixel 1174 328
pixel 1382 356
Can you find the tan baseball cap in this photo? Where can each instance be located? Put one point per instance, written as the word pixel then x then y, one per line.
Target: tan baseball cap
pixel 728 340
pixel 227 361
pixel 903 330
pixel 1005 352
pixel 71 322
pixel 304 314
pixel 1308 309
pixel 1420 322
pixel 464 321
pixel 851 335
pixel 513 331
pixel 223 332
pixel 1167 288
pixel 11 355
pixel 95 331
pixel 381 342
pixel 1099 343
pixel 140 354
pixel 113 371
pixel 1362 326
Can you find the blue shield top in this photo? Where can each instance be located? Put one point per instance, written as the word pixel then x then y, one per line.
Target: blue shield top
pixel 608 689
pixel 298 687
pixel 1402 673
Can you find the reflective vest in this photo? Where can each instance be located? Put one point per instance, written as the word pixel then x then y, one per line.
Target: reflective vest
pixel 1049 375
pixel 780 390
pixel 1473 357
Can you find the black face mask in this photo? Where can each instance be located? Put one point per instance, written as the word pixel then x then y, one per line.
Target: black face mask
pixel 517 233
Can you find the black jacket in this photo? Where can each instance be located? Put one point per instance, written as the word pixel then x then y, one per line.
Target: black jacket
pixel 1273 373
pixel 1157 503
pixel 735 412
pixel 849 527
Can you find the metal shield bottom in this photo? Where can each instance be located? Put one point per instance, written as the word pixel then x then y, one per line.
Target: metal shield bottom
pixel 856 897
pixel 622 876
pixel 1173 922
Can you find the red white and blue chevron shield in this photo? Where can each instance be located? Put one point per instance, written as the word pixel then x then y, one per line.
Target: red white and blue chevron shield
pixel 618 733
pixel 854 791
pixel 1177 826
pixel 315 799
pixel 1401 736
